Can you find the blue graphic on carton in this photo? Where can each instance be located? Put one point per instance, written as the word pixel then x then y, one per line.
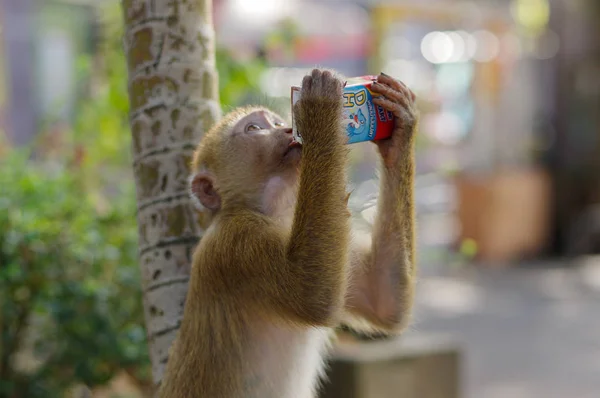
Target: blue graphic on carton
pixel 357 104
pixel 358 126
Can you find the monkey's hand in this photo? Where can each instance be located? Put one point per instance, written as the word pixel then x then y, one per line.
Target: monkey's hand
pixel 400 100
pixel 319 110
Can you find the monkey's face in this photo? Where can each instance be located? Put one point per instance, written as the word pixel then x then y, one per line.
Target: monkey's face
pixel 254 161
pixel 263 145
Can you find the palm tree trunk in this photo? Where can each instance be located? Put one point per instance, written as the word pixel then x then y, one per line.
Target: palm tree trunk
pixel 173 95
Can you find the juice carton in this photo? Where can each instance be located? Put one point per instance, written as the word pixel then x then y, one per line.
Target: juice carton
pixel 364 120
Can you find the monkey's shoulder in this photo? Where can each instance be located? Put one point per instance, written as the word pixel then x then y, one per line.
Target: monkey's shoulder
pixel 241 241
pixel 243 228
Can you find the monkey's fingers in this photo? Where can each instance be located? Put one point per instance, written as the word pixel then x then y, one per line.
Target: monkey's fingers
pixel 316 74
pixel 307 83
pixel 396 84
pixel 399 110
pixel 326 84
pixel 387 79
pixel 317 80
pixel 390 93
pixel 335 86
pixel 326 75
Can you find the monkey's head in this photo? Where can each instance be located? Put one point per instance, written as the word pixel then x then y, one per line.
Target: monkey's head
pixel 247 159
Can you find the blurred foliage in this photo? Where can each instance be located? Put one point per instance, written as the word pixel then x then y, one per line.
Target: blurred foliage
pixel 238 79
pixel 101 129
pixel 70 295
pixel 239 82
pixel 70 289
pixel 240 74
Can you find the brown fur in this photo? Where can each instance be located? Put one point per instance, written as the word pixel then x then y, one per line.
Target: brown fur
pixel 271 277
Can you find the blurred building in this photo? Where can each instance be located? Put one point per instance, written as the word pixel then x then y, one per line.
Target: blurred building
pixel 41 43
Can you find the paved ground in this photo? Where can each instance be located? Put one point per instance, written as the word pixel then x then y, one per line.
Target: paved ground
pixel 532 332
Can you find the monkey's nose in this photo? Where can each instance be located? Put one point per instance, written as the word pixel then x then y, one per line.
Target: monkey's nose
pixel 287 130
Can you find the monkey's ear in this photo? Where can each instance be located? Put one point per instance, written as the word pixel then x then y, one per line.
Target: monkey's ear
pixel 203 192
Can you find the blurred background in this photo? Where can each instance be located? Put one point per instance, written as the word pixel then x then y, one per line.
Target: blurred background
pixel 507 160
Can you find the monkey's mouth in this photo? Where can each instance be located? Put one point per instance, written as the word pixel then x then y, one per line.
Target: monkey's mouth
pixel 292 146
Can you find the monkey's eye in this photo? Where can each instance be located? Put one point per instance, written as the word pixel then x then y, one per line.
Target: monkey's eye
pixel 253 127
pixel 279 124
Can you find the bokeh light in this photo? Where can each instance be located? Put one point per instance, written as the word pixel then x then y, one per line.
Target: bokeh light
pixel 459 46
pixel 532 15
pixel 437 47
pixel 488 46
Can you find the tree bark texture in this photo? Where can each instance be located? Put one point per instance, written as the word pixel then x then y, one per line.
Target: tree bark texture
pixel 173 95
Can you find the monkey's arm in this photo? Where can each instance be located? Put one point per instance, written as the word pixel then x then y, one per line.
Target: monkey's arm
pixel 317 251
pixel 383 273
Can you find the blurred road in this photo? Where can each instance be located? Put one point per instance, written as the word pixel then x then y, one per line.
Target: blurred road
pixel 532 332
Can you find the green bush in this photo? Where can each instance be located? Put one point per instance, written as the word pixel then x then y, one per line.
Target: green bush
pixel 70 294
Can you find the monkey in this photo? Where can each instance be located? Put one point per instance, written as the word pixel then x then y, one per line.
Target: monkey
pixel 278 267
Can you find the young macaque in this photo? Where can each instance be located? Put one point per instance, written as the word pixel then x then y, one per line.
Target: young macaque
pixel 278 268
